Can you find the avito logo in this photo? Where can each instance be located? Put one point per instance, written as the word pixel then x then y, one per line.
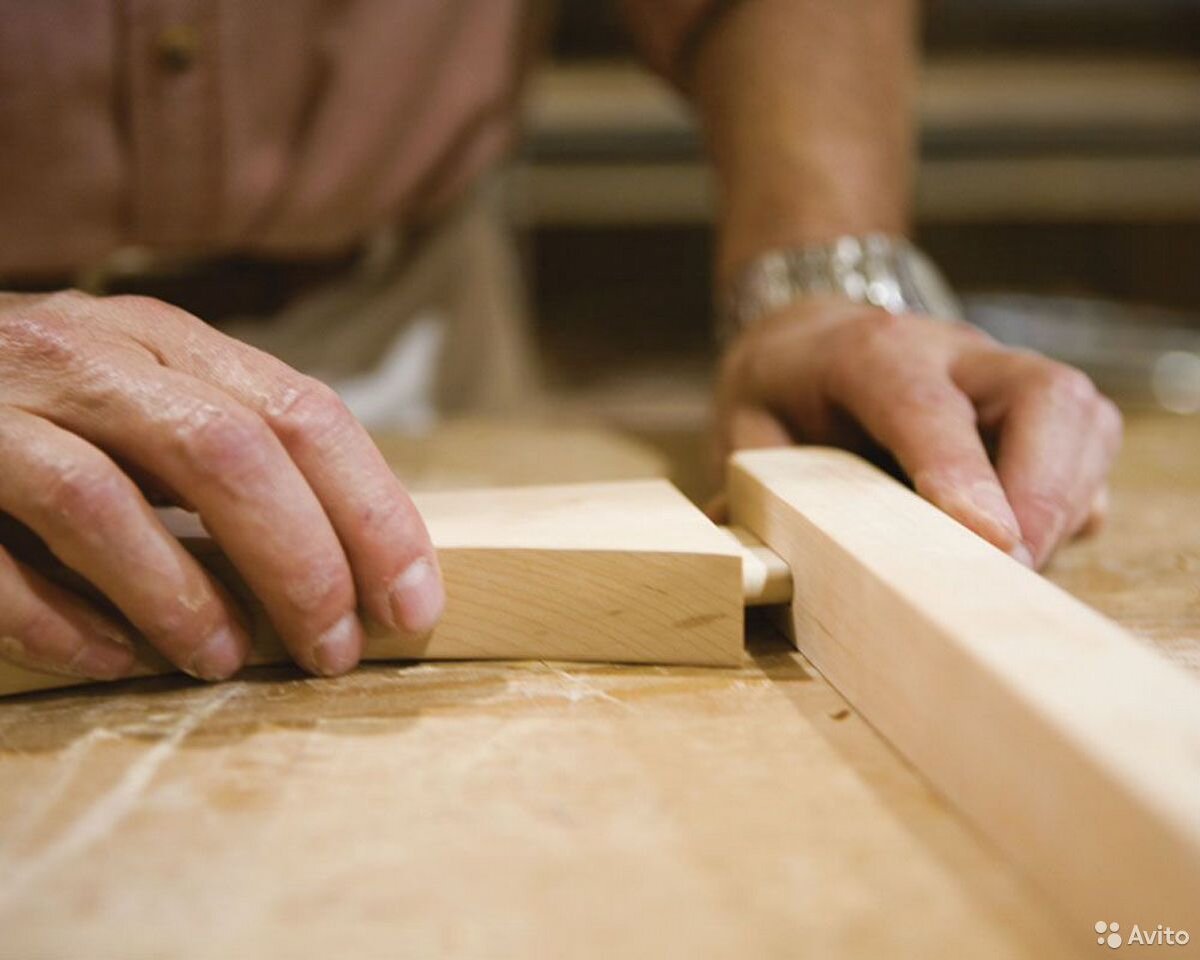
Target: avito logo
pixel 1109 934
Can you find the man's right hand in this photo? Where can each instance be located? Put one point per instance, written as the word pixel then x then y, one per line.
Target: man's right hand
pixel 108 403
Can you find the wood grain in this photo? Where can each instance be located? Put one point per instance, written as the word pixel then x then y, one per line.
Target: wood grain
pixel 1143 567
pixel 1067 742
pixel 627 572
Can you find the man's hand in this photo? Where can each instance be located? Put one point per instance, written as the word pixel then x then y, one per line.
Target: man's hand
pixel 108 403
pixel 1011 444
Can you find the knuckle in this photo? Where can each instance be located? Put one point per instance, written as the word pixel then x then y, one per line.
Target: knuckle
pixel 174 626
pixel 64 304
pixel 925 393
pixel 131 302
pixel 855 358
pixel 158 322
pixel 1069 386
pixel 308 411
pixel 138 305
pixel 971 334
pixel 1048 502
pixel 921 396
pixel 32 625
pixel 393 527
pixel 869 350
pixel 393 512
pixel 323 585
pixel 873 330
pixel 41 335
pixel 84 496
pixel 102 388
pixel 229 443
pixel 70 297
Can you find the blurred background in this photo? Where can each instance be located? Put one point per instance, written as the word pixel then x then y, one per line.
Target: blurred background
pixel 1059 190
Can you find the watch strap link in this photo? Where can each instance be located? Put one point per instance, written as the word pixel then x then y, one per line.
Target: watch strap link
pixel 877 270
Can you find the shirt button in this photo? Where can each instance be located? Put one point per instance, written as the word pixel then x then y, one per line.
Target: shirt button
pixel 177 47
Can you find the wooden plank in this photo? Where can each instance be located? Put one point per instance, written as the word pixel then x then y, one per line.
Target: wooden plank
pixel 1068 743
pixel 446 808
pixel 628 572
pixel 473 810
pixel 766 577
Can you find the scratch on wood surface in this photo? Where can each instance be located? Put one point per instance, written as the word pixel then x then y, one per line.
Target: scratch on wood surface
pixel 581 689
pixel 65 768
pixel 108 809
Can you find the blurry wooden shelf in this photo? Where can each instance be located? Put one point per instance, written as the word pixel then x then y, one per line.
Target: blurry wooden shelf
pixel 1043 189
pixel 1013 139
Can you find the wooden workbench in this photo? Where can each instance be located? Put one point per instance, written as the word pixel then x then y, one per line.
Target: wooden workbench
pixel 534 809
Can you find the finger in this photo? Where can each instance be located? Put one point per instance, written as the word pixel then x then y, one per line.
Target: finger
pixel 1058 438
pixel 224 460
pixel 754 427
pixel 744 427
pixel 392 559
pixel 1054 482
pixel 1097 515
pixel 929 426
pixel 43 627
pixel 96 522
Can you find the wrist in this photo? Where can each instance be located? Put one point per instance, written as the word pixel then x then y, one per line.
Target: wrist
pixel 807 110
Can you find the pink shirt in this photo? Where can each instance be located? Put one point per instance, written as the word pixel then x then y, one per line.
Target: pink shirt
pixel 284 127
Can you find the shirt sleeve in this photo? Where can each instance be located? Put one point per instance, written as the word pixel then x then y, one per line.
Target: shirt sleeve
pixel 666 31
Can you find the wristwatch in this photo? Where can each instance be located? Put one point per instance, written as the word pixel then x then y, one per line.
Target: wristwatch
pixel 876 269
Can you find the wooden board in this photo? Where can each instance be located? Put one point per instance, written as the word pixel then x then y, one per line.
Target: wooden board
pixel 1143 569
pixel 467 810
pixel 627 572
pixel 462 809
pixel 1067 742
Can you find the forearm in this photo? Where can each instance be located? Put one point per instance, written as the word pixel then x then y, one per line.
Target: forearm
pixel 807 108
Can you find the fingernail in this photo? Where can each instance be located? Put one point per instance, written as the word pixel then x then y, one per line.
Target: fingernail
pixel 991 500
pixel 418 597
pixel 103 661
pixel 218 658
pixel 1021 554
pixel 337 649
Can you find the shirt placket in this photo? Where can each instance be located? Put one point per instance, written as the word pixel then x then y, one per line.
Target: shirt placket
pixel 174 121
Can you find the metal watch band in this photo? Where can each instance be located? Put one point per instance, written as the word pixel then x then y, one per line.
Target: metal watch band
pixel 876 269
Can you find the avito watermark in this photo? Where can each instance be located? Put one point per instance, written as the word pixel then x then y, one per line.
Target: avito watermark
pixel 1109 934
